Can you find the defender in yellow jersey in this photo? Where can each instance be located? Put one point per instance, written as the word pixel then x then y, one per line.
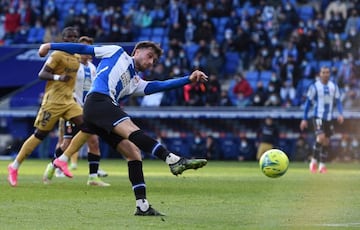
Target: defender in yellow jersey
pixel 60 72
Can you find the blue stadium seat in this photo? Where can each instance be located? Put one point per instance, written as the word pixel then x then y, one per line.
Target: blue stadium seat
pixel 231 62
pixel 191 50
pixel 265 77
pixel 158 31
pixel 229 148
pixel 305 12
pixel 178 145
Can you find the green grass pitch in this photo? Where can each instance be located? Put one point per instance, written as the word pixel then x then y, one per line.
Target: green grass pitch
pixel 222 195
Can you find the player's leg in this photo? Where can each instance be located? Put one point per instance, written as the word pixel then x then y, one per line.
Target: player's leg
pixel 317 147
pixel 94 161
pixel 66 132
pixel 126 129
pixel 136 176
pixel 325 140
pixel 73 114
pixel 44 123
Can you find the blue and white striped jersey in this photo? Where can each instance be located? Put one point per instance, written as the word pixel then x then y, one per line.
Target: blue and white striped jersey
pixel 116 75
pixel 323 97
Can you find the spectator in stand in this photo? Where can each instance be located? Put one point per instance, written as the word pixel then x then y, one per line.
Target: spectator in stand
pixel 302 150
pixel 352 21
pixel 276 61
pixel 212 148
pixel 268 136
pixel 189 29
pixel 336 24
pixel 289 71
pixel 142 17
pixel 205 31
pixel 224 99
pixel 176 36
pixel 262 60
pixel 213 91
pixel 245 149
pixel 21 35
pixel 344 74
pixel 215 60
pixel 11 24
pixel 36 33
pixel 288 19
pixel 50 11
pixel 259 97
pixel 287 94
pixel 198 146
pixel 52 31
pixel 322 50
pixel 337 47
pixel 337 6
pixel 240 91
pixel 194 94
pixel 353 37
pixel 273 96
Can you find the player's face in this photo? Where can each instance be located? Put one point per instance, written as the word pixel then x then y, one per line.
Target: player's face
pixel 145 59
pixel 71 36
pixel 324 75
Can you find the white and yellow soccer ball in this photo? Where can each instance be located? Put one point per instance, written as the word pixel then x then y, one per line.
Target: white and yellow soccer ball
pixel 274 163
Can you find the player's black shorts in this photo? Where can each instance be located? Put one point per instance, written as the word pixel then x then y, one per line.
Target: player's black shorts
pixel 101 114
pixel 323 126
pixel 70 130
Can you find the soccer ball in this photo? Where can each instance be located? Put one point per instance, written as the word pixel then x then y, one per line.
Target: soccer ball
pixel 274 163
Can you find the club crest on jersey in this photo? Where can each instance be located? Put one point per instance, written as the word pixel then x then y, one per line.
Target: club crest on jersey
pixel 125 78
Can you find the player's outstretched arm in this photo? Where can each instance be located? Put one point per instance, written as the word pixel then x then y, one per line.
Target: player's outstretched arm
pixel 67 47
pixel 159 86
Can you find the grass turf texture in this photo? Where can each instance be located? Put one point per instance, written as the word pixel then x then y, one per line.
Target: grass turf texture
pixel 223 195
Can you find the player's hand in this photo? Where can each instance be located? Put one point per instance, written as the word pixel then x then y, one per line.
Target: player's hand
pixel 303 125
pixel 340 119
pixel 197 76
pixel 44 49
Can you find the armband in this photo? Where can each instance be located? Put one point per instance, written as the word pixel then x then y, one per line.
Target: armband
pixel 56 77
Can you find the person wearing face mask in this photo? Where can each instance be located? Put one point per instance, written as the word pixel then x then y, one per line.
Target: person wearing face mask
pixel 263 60
pixel 198 146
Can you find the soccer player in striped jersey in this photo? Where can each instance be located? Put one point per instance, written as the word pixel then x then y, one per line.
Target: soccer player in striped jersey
pixel 324 95
pixel 117 78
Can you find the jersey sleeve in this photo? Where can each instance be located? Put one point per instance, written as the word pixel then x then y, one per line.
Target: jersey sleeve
pixel 53 60
pixel 106 51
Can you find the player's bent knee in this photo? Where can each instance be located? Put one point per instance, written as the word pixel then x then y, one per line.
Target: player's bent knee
pixel 41 135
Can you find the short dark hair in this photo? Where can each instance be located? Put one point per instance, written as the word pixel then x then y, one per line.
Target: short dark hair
pixel 86 39
pixel 67 30
pixel 148 44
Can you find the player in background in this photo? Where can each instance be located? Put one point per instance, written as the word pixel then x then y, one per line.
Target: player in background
pixel 85 76
pixel 59 71
pixel 117 78
pixel 324 95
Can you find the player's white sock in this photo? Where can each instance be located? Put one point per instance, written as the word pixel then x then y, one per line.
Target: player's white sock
pixel 15 164
pixel 143 204
pixel 172 158
pixel 64 158
pixel 313 161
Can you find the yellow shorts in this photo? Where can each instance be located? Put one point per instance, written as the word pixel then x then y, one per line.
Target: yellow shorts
pixel 50 113
pixel 263 147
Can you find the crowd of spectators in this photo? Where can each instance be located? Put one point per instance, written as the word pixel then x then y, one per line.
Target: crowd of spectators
pixel 232 40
